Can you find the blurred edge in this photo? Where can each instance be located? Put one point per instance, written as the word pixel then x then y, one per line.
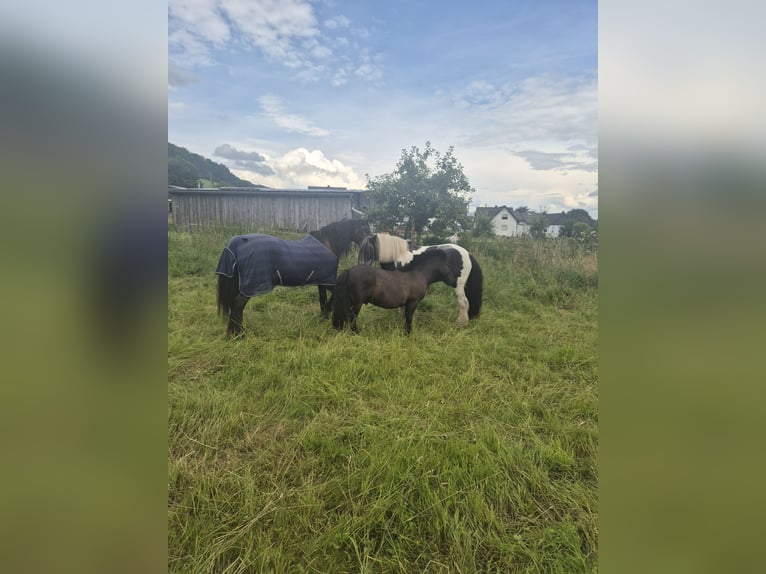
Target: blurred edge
pixel 683 263
pixel 682 278
pixel 83 103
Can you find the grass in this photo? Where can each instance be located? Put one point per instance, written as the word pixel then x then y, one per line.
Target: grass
pixel 301 449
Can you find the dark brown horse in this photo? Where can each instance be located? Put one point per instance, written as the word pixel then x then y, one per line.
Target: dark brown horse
pixel 404 287
pixel 254 264
pixel 391 252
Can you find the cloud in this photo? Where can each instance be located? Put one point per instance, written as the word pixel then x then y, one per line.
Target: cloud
pixel 337 22
pixel 557 160
pixel 478 93
pixel 244 160
pixel 177 76
pixel 273 27
pixel 272 108
pixel 536 109
pixel 300 168
pixel 230 152
pixel 286 32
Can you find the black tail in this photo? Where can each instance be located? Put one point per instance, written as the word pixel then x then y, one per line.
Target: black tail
pixel 474 288
pixel 367 251
pixel 228 287
pixel 341 302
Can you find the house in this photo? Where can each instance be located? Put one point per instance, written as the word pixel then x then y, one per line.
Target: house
pixel 554 222
pixel 504 221
pixel 508 222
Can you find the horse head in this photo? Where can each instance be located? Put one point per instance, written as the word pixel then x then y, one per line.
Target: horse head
pixel 448 274
pixel 440 264
pixel 361 232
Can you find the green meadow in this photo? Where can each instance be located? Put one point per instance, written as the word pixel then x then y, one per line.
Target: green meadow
pixel 298 448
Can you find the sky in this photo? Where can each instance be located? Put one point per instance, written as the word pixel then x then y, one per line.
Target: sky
pixel 292 93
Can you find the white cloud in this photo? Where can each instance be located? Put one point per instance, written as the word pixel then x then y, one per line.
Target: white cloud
pixel 199 18
pixel 536 109
pixel 284 31
pixel 300 168
pixel 273 26
pixel 272 108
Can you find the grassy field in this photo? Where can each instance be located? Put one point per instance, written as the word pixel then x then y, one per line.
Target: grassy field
pixel 301 449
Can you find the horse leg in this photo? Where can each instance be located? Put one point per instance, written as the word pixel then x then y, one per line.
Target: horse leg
pixel 235 316
pixel 409 312
pixel 354 314
pixel 325 305
pixel 328 305
pixel 462 305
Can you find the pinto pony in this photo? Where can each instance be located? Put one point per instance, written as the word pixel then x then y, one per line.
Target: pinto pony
pixel 404 287
pixel 393 252
pixel 254 264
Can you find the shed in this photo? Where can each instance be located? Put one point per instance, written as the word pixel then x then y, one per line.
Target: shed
pixel 301 209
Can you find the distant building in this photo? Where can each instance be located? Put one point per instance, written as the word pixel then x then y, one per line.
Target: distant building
pixel 507 222
pixel 300 209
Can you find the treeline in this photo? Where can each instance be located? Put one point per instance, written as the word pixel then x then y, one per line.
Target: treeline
pixel 185 169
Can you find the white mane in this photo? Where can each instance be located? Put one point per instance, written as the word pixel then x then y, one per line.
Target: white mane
pixel 392 249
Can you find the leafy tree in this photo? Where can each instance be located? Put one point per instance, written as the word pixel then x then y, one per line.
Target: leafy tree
pixel 522 209
pixel 482 226
pixel 574 217
pixel 426 184
pixel 580 229
pixel 537 227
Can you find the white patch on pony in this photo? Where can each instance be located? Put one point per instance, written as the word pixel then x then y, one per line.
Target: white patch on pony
pixel 462 300
pixel 392 249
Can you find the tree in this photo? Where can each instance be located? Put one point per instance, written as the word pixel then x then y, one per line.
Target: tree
pixel 574 217
pixel 425 185
pixel 482 226
pixel 181 173
pixel 538 226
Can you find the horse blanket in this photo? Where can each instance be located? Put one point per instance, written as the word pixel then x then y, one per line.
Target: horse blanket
pixel 263 262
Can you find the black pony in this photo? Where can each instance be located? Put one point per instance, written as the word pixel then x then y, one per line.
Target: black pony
pixel 404 287
pixel 254 264
pixel 392 252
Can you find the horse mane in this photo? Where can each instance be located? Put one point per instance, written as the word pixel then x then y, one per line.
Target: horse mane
pixel 340 234
pixel 367 250
pixel 392 249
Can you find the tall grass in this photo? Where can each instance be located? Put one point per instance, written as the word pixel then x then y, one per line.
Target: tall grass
pixel 301 449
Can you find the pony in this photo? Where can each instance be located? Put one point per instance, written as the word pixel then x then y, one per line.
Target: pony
pixel 392 252
pixel 404 287
pixel 254 264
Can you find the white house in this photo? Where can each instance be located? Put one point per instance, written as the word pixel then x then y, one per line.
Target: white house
pixel 504 221
pixel 509 223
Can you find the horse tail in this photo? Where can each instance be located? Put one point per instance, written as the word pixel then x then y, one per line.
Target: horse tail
pixel 228 287
pixel 341 301
pixel 474 286
pixel 367 251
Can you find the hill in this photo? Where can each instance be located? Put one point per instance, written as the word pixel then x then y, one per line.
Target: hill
pixel 185 168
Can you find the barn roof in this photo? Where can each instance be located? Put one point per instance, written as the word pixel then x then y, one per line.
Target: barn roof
pixel 265 191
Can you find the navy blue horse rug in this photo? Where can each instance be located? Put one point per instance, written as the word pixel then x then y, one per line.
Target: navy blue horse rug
pixel 263 262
